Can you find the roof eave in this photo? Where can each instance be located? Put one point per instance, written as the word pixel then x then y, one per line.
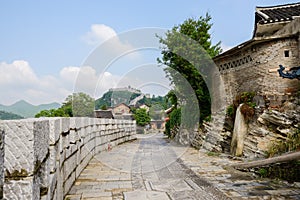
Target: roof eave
pixel 250 43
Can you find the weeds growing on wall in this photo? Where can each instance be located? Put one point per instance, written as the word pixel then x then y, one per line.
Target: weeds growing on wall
pixel 247 109
pixel 286 171
pixel 292 143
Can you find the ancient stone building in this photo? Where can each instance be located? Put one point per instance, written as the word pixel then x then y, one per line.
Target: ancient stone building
pixel 252 65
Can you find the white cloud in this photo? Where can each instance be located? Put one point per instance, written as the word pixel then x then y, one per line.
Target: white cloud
pixel 18 81
pixel 17 72
pixel 98 34
pixel 69 73
pixel 93 83
pixel 114 46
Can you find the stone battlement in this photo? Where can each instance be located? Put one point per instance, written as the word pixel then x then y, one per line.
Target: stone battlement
pixel 42 158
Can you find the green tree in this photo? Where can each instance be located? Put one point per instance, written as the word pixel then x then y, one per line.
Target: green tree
pixel 173 122
pixel 8 115
pixel 77 104
pixel 175 51
pixel 156 111
pixel 43 113
pixel 141 116
pixel 83 105
pixel 172 98
pixel 104 107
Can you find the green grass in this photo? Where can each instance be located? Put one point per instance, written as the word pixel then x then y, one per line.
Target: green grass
pixel 210 153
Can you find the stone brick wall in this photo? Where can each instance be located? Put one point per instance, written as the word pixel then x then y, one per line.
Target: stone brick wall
pixel 43 157
pixel 252 67
pixel 255 69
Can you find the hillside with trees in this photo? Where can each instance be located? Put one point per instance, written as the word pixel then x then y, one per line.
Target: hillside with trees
pixel 113 98
pixel 26 110
pixel 76 104
pixel 8 115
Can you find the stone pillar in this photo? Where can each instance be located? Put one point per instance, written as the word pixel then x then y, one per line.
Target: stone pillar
pixel 26 152
pixel 239 133
pixel 1 162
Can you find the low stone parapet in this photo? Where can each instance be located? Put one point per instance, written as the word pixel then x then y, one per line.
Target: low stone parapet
pixel 1 162
pixel 43 157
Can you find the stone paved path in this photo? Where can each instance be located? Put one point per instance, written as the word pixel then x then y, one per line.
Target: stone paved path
pixel 152 168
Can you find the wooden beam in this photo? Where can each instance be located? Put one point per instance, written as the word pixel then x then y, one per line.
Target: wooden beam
pixel 268 161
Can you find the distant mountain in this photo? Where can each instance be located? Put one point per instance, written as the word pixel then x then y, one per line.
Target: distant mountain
pixel 26 109
pixel 6 115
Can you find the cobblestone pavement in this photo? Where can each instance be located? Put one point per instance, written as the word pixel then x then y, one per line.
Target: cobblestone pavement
pixel 154 168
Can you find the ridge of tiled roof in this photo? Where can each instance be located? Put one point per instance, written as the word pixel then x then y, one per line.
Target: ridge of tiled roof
pixel 279 13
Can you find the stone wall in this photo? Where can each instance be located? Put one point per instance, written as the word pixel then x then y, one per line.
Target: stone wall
pixel 43 157
pixel 252 67
pixel 1 162
pixel 255 69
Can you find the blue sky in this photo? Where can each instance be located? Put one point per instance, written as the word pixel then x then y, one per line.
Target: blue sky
pixel 43 43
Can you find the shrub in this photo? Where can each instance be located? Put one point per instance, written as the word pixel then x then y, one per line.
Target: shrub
pixel 230 111
pixel 292 143
pixel 142 117
pixel 175 120
pixel 211 153
pixel 167 129
pixel 263 172
pixel 247 109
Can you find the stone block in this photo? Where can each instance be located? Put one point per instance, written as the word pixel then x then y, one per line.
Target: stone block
pixel 102 127
pixel 53 157
pixel 27 144
pixel 75 122
pixel 41 140
pixel 68 183
pixel 68 152
pixel 98 140
pixel 81 165
pixel 55 130
pixel 73 136
pixel 19 146
pixel 65 124
pixel 1 162
pixel 74 148
pixel 81 133
pixel 90 145
pixel 69 166
pixel 65 141
pixel 88 130
pixel 60 185
pixel 43 178
pixel 20 189
pixel 62 157
pixel 54 195
pixel 52 186
pixel 78 157
pixel 99 148
pixel 83 153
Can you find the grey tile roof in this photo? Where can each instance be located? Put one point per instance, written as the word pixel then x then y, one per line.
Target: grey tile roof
pixel 103 114
pixel 275 14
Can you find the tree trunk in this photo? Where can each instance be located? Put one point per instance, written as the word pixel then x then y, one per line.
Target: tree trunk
pixel 268 161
